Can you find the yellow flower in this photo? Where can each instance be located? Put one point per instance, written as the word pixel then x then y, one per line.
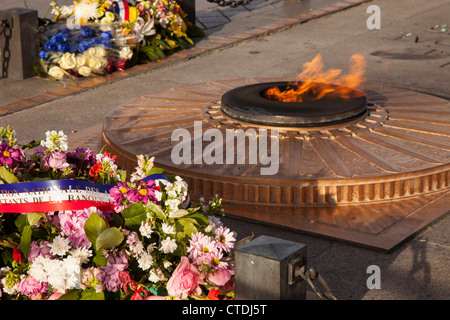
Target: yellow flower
pixel 133 14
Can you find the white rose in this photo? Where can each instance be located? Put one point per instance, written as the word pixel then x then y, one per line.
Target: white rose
pixel 56 72
pixel 94 63
pixel 67 61
pixel 84 71
pixel 126 53
pixel 100 51
pixel 89 52
pixel 81 60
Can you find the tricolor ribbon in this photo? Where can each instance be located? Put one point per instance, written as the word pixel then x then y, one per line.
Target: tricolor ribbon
pixel 121 8
pixel 54 195
pixel 58 195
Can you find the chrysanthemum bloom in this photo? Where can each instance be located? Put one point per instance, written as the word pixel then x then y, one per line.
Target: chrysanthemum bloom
pixel 225 238
pixel 8 155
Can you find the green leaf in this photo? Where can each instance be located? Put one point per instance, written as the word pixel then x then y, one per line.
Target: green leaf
pixel 200 218
pixel 71 294
pixel 34 217
pixel 179 214
pixel 153 207
pixel 93 227
pixel 21 222
pixel 91 294
pixel 187 227
pixel 7 176
pixel 25 240
pixel 108 239
pixel 134 215
pixel 100 259
pixel 155 170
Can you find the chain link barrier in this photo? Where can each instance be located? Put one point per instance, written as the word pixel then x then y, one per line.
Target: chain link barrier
pixel 5 35
pixel 231 3
pixel 309 276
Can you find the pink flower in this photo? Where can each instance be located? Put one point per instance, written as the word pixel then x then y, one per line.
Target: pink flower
pixel 72 226
pixel 200 247
pixel 110 275
pixel 32 288
pixel 225 238
pixel 55 296
pixel 220 277
pixel 185 280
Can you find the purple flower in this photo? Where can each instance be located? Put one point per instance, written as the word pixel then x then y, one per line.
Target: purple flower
pixel 56 159
pixel 39 249
pixel 82 154
pixel 109 275
pixel 144 193
pixel 8 155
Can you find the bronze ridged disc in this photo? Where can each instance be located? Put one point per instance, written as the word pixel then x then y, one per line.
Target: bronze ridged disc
pixel 399 149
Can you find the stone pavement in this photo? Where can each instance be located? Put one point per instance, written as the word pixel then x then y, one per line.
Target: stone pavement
pixel 274 39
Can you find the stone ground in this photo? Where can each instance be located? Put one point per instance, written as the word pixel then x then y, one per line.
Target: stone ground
pixel 274 39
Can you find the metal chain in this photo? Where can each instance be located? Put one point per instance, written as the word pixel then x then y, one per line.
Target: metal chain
pixel 231 3
pixel 4 46
pixel 309 276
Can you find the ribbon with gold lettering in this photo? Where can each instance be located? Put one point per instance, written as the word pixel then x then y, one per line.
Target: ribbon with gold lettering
pixel 53 195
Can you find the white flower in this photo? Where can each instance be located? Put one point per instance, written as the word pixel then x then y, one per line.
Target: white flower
pixel 55 140
pixel 145 261
pixel 172 205
pixel 94 63
pixel 167 228
pixel 85 71
pixel 82 253
pixel 56 72
pixel 145 229
pixel 68 61
pixel 100 51
pixel 167 264
pixel 126 53
pixel 37 269
pixel 158 195
pixel 9 290
pixel 168 245
pixel 85 11
pixel 108 18
pixel 156 275
pixel 89 52
pixel 59 246
pixel 137 248
pixel 80 60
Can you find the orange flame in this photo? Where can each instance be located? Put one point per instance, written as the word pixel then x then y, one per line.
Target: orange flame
pixel 315 83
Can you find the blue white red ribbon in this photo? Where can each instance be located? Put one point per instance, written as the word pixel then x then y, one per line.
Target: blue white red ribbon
pixel 121 8
pixel 54 195
pixel 58 195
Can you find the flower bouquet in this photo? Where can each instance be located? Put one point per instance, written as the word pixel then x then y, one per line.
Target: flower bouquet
pixel 101 36
pixel 73 227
